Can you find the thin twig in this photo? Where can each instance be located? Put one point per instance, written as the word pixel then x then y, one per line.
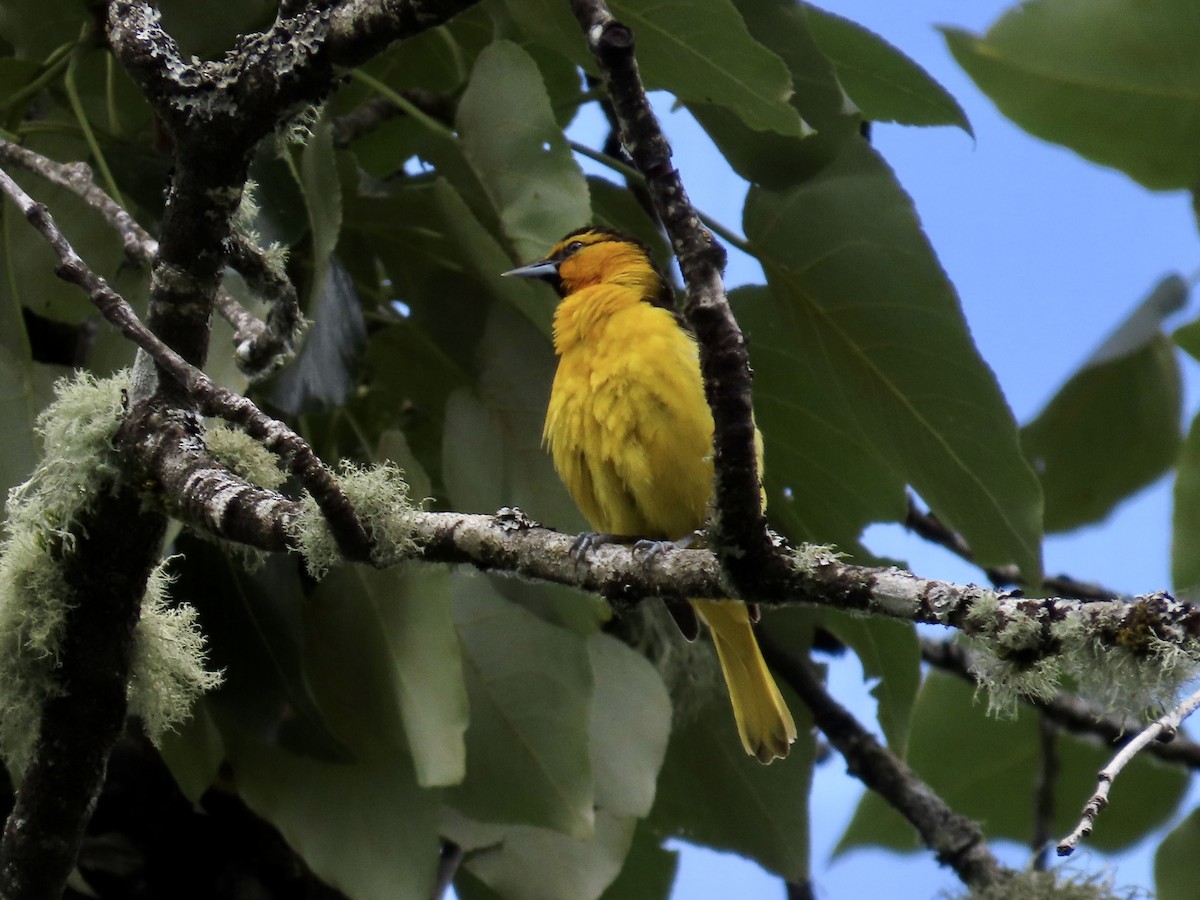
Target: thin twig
pixel 212 399
pixel 1163 728
pixel 258 346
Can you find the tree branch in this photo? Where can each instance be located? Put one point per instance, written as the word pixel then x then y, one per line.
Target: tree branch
pixel 197 386
pixel 741 526
pixel 931 528
pixel 81 721
pixel 957 841
pixel 1163 728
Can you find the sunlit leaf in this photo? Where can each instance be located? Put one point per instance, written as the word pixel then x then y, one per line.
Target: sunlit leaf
pixel 863 309
pixel 1113 428
pixel 1114 80
pixel 884 83
pixel 510 136
pixel 529 684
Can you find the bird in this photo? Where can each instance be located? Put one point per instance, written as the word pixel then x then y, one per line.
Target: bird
pixel 631 435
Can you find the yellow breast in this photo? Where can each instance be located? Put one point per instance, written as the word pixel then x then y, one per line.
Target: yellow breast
pixel 627 426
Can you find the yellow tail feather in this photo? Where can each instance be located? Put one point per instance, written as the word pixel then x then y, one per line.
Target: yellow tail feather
pixel 763 721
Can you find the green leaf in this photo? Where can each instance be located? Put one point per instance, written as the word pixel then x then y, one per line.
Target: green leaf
pixel 711 792
pixel 1116 81
pixel 1113 428
pixel 628 740
pixel 512 140
pixel 891 655
pixel 322 190
pixel 255 633
pixel 985 768
pixel 772 159
pixel 866 313
pixel 825 482
pixel 365 829
pixel 383 659
pixel 702 51
pixel 194 752
pixel 1176 862
pixel 884 83
pixel 649 870
pixel 537 864
pixel 492 449
pixel 1185 516
pixel 444 263
pixel 529 684
pixel 25 389
pixel 35 30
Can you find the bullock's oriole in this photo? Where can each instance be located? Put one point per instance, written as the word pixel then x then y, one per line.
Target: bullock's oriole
pixel 631 434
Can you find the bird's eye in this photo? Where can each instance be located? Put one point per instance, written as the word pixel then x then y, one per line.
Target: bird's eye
pixel 573 246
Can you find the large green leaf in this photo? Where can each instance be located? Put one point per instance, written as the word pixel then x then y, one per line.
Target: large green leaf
pixel 1176 862
pixel 986 768
pixel 711 792
pixel 529 684
pixel 772 159
pixel 383 659
pixel 868 316
pixel 516 147
pixel 538 864
pixel 25 388
pixel 884 83
pixel 1117 81
pixel 649 870
pixel 1088 462
pixel 365 829
pixel 627 743
pixel 1185 521
pixel 628 740
pixel 701 50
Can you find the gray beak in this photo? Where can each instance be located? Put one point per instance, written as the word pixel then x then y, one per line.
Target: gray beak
pixel 545 268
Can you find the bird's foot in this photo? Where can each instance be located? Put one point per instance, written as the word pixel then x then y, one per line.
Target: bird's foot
pixel 587 541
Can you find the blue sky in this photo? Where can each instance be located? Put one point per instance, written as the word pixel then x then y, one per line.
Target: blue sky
pixel 1048 253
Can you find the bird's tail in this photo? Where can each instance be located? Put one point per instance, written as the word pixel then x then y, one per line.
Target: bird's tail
pixel 763 721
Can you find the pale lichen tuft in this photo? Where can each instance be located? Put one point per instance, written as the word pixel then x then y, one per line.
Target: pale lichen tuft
pixel 169 671
pixel 244 455
pixel 379 495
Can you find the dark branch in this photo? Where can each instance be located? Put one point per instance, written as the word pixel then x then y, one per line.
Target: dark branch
pixel 932 529
pixel 741 526
pixel 81 721
pixel 957 841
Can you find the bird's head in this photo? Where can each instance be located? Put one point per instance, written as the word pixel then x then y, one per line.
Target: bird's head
pixel 591 256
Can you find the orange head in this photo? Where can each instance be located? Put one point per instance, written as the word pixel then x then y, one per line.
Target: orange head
pixel 593 255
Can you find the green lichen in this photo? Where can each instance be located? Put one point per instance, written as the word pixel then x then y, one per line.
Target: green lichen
pixel 1057 884
pixel 78 465
pixel 1118 666
pixel 244 455
pixel 379 495
pixel 168 672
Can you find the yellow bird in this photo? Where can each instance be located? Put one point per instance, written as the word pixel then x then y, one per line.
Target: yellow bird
pixel 630 434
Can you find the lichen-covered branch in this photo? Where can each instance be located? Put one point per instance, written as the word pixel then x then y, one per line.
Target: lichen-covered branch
pixel 741 527
pixel 957 841
pixel 197 386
